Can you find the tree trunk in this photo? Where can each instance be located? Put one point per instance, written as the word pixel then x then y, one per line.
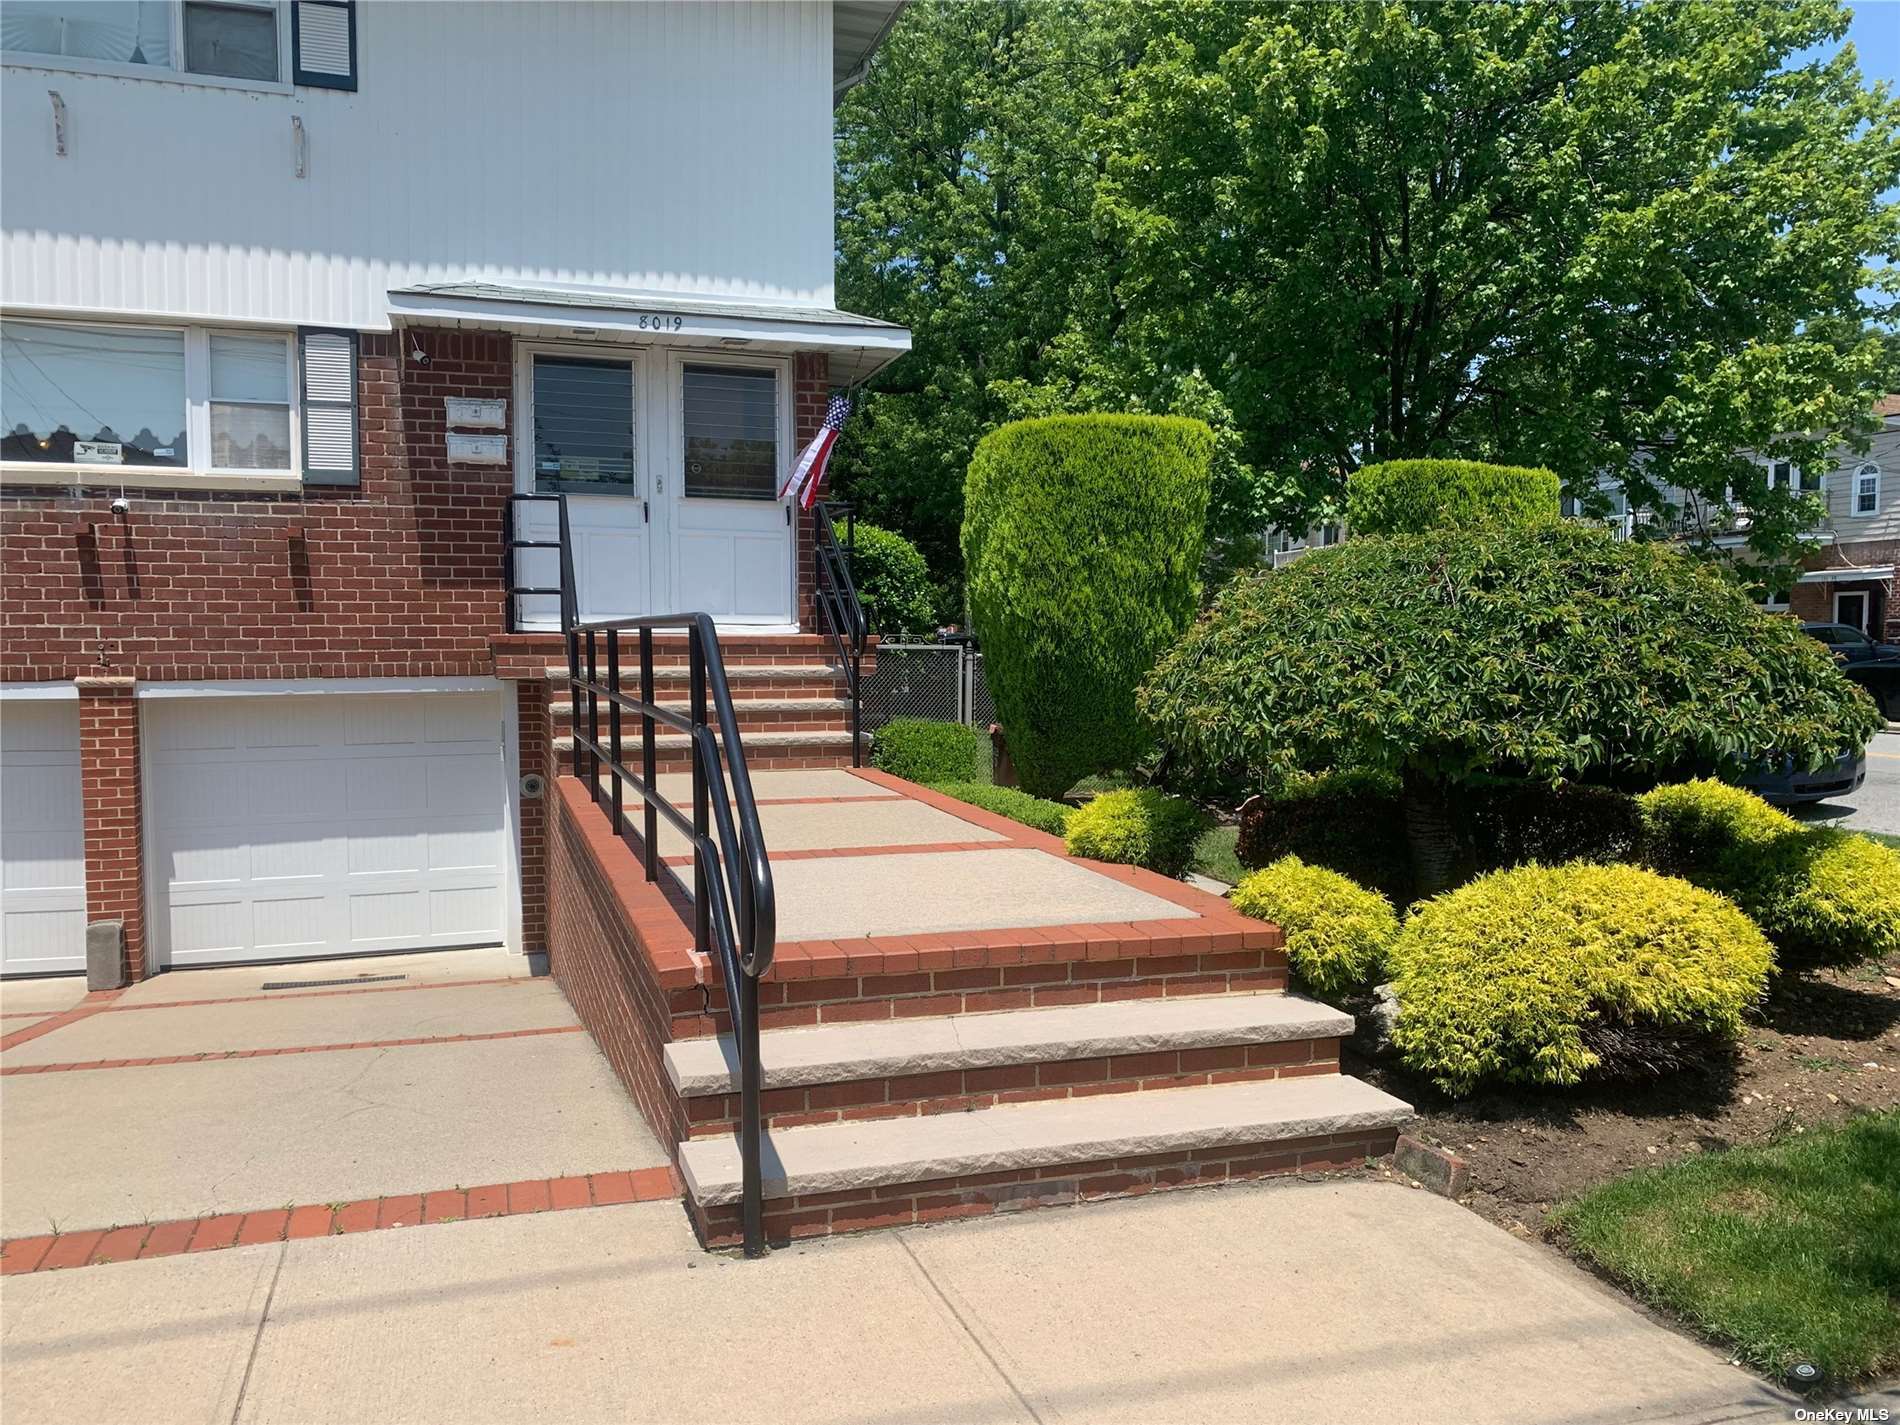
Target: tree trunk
pixel 1436 854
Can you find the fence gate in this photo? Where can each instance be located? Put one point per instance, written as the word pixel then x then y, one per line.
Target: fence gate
pixel 942 681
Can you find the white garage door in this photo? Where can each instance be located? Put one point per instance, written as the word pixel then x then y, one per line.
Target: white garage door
pixel 326 824
pixel 42 839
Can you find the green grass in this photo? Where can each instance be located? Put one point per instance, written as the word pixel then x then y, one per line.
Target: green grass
pixel 1786 1253
pixel 1883 838
pixel 1214 855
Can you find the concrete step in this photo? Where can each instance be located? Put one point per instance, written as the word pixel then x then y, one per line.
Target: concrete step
pixel 772 708
pixel 763 749
pixel 879 1155
pixel 744 680
pixel 894 1048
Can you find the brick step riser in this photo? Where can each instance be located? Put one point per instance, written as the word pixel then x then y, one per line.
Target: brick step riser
pixel 1013 1190
pixel 968 1090
pixel 751 690
pixel 787 1004
pixel 749 720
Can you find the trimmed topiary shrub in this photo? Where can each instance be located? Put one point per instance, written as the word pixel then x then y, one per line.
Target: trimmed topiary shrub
pixel 1137 826
pixel 920 750
pixel 1551 975
pixel 1008 801
pixel 1511 823
pixel 1081 540
pixel 1824 896
pixel 892 580
pixel 1412 496
pixel 1453 658
pixel 1338 934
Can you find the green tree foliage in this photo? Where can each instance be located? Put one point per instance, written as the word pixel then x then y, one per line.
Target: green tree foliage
pixel 892 580
pixel 1411 496
pixel 919 749
pixel 1613 238
pixel 1082 537
pixel 1547 653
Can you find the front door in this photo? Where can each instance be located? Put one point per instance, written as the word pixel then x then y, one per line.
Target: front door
pixel 580 435
pixel 732 536
pixel 1850 607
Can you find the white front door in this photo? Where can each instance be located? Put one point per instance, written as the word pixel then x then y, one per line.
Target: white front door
pixel 42 839
pixel 582 425
pixel 306 825
pixel 728 452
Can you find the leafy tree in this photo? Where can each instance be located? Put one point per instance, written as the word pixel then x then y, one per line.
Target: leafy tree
pixel 1448 656
pixel 1599 236
pixel 892 581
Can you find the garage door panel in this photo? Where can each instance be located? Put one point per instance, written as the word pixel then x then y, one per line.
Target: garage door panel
pixel 199 794
pixel 42 841
pixel 347 838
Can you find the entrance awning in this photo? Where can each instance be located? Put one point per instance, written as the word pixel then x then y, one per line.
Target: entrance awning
pixel 858 346
pixel 1842 574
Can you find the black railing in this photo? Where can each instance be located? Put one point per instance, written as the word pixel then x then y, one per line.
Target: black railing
pixel 511 577
pixel 835 597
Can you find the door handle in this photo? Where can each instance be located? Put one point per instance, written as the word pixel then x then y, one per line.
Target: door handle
pixel 646 513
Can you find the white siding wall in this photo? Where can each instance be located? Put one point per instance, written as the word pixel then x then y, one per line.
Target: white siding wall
pixel 671 147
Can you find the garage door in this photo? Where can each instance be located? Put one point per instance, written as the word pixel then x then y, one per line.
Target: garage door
pixel 42 839
pixel 319 824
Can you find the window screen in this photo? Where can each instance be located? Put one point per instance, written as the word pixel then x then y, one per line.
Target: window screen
pixel 583 425
pixel 250 403
pixel 122 31
pixel 731 433
pixel 237 41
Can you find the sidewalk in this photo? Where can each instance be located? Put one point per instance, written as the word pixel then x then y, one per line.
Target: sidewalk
pixel 1293 1301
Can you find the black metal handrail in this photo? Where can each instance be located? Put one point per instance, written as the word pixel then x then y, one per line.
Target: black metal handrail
pixel 835 596
pixel 511 546
pixel 735 925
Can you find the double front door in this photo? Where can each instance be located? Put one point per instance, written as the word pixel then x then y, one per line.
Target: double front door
pixel 671 462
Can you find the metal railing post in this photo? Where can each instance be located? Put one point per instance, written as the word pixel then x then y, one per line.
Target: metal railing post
pixel 613 723
pixel 696 672
pixel 647 757
pixel 593 721
pixel 751 1123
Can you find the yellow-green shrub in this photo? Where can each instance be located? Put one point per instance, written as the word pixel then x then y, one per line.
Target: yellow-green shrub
pixel 1338 933
pixel 1549 975
pixel 920 749
pixel 1822 895
pixel 1410 496
pixel 1136 827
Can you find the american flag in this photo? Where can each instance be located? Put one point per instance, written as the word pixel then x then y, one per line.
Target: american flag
pixel 809 473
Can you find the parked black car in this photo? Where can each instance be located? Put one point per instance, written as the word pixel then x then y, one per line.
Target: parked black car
pixel 1875 666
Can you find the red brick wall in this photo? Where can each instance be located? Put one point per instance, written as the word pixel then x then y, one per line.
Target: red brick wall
pixel 1815 602
pixel 109 791
pixel 400 577
pixel 535 736
pixel 811 392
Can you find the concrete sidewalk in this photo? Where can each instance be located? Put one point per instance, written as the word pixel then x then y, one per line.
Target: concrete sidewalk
pixel 1292 1301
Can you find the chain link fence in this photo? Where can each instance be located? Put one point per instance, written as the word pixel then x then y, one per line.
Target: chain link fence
pixel 940 681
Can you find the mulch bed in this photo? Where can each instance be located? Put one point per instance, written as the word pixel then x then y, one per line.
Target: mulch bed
pixel 1824 1047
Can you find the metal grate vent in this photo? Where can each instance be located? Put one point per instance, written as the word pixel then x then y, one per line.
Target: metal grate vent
pixel 324 984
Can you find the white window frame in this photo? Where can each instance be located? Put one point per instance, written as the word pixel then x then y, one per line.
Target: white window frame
pixel 1797 477
pixel 1775 603
pixel 199 472
pixel 175 72
pixel 1865 472
pixel 1866 603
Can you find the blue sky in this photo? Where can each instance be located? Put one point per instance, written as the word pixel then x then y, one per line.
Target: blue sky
pixel 1876 38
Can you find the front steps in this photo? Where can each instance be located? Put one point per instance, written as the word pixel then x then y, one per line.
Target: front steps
pixel 895 1122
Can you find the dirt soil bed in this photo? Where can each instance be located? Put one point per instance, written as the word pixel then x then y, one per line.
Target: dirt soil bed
pixel 1821 1049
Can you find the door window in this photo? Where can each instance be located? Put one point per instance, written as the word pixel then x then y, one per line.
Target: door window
pixel 583 426
pixel 731 422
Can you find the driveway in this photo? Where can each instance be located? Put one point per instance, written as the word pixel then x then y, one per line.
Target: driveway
pixel 203 1095
pixel 1876 806
pixel 1291 1301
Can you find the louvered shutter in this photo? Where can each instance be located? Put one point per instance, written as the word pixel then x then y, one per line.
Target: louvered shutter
pixel 323 43
pixel 328 359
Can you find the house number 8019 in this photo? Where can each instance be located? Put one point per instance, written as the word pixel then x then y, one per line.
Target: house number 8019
pixel 660 324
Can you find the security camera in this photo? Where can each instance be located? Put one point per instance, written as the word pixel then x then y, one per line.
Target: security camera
pixel 122 506
pixel 417 354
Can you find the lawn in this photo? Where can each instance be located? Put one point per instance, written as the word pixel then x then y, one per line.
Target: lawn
pixel 1788 1252
pixel 1214 855
pixel 1883 838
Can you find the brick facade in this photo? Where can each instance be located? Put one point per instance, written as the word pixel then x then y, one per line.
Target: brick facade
pixel 110 794
pixel 1814 601
pixel 811 393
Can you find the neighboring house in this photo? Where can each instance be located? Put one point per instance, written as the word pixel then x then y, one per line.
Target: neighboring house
pixel 296 295
pixel 1851 578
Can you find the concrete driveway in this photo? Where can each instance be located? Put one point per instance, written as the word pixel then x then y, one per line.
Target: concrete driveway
pixel 202 1095
pixel 1282 1302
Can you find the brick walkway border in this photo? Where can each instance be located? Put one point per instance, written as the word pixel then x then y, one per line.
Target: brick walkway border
pixel 96 1247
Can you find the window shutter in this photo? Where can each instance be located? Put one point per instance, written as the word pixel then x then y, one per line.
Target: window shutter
pixel 323 43
pixel 328 361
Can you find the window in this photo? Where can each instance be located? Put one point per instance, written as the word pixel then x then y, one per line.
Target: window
pixel 1775 600
pixel 1867 490
pixel 583 425
pixel 233 39
pixel 1786 475
pixel 186 399
pixel 731 433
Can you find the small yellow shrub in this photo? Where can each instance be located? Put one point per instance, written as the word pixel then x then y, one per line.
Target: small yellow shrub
pixel 1136 827
pixel 1338 933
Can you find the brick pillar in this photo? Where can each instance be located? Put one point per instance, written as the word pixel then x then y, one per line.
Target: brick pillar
pixel 109 783
pixel 536 757
pixel 811 392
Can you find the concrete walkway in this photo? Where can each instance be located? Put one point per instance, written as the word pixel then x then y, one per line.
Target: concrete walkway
pixel 1296 1301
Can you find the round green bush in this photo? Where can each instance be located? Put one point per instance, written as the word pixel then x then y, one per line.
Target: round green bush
pixel 921 750
pixel 1550 975
pixel 1338 933
pixel 1082 536
pixel 1693 827
pixel 892 580
pixel 1008 801
pixel 1136 827
pixel 1412 496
